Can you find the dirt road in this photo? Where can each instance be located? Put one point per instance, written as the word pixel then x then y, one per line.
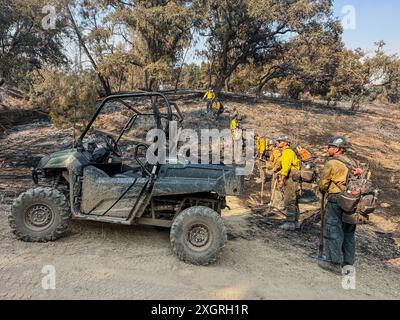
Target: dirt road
pixel 97 261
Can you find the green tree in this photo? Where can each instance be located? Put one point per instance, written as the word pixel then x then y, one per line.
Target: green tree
pixel 350 78
pixel 24 44
pixel 310 60
pixel 362 77
pixel 159 31
pixel 194 76
pixel 239 31
pixel 93 34
pixel 70 98
pixel 383 74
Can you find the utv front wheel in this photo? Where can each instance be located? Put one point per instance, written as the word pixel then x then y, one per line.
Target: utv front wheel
pixel 197 235
pixel 39 215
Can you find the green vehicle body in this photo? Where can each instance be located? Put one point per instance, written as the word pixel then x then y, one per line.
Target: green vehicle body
pixel 108 190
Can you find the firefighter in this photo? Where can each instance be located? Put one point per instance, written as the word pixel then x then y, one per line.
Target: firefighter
pixel 260 147
pixel 273 167
pixel 288 182
pixel 235 113
pixel 217 108
pixel 338 236
pixel 274 156
pixel 234 123
pixel 260 150
pixel 209 97
pixel 235 127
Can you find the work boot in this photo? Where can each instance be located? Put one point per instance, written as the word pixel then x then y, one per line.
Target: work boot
pixel 330 266
pixel 288 226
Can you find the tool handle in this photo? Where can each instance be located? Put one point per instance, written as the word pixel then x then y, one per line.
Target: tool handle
pixel 321 235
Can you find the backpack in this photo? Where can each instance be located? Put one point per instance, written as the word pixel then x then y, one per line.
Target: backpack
pixel 359 198
pixel 221 108
pixel 308 171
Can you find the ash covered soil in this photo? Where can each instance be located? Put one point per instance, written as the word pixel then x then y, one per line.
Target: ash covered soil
pixel 260 261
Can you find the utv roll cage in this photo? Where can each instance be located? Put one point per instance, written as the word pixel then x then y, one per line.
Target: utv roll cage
pixel 120 98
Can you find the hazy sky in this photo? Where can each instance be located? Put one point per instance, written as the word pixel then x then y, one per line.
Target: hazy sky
pixel 375 20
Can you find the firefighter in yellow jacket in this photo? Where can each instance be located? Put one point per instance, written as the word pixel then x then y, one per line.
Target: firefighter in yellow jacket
pixel 209 97
pixel 235 128
pixel 273 167
pixel 274 156
pixel 234 123
pixel 288 182
pixel 261 146
pixel 217 108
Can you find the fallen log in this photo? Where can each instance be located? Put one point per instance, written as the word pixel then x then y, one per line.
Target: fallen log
pixel 14 93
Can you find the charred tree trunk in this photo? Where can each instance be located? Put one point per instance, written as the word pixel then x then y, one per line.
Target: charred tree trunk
pixel 220 83
pixel 227 85
pixel 209 75
pixel 178 77
pixel 103 80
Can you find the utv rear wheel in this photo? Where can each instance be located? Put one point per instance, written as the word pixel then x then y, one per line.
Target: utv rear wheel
pixel 197 235
pixel 39 215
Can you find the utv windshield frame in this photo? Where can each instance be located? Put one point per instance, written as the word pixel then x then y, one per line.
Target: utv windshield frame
pixel 156 112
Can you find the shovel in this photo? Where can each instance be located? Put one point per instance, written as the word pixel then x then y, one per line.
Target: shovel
pixel 262 189
pixel 321 235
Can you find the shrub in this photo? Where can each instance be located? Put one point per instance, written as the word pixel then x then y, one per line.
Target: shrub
pixel 70 98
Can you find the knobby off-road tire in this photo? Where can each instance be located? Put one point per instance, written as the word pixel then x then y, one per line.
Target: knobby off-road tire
pixel 198 235
pixel 39 215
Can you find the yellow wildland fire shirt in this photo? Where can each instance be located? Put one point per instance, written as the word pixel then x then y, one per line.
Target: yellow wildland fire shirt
pixel 261 145
pixel 274 162
pixel 334 175
pixel 233 124
pixel 289 161
pixel 217 105
pixel 209 95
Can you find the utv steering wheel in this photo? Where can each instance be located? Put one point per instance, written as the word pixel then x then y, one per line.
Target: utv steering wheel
pixel 112 145
pixel 144 166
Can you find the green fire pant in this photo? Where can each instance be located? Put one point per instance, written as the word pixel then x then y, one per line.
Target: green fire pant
pixel 209 104
pixel 339 237
pixel 290 199
pixel 276 193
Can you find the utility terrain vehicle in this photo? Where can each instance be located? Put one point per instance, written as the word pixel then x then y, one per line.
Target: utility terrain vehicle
pixel 106 178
